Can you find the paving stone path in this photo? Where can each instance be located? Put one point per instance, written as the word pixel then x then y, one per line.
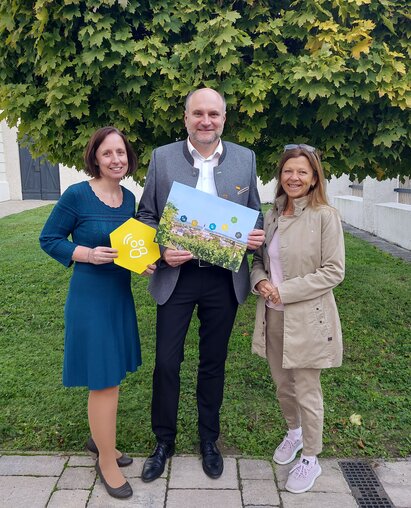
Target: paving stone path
pixel 390 248
pixel 69 481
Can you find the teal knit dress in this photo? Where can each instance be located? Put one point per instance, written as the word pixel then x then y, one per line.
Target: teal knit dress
pixel 101 335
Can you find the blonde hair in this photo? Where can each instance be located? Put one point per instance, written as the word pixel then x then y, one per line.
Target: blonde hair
pixel 317 195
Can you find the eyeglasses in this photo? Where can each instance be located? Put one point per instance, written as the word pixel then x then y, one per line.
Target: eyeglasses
pixel 309 148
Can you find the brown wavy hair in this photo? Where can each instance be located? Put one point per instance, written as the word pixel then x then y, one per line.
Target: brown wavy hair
pixel 90 166
pixel 317 195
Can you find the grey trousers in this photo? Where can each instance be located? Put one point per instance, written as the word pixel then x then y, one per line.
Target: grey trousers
pixel 298 390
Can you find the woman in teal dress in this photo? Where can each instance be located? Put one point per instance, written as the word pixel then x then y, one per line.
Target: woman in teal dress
pixel 101 335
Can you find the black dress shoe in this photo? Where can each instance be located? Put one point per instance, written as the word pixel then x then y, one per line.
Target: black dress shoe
pixel 123 492
pixel 213 463
pixel 155 464
pixel 122 461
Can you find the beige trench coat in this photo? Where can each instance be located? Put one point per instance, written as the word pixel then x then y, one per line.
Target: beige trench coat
pixel 313 259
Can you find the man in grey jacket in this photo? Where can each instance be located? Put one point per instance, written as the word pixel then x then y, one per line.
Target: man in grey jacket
pixel 181 282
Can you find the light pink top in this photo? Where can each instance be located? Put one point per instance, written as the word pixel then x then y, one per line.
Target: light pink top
pixel 275 268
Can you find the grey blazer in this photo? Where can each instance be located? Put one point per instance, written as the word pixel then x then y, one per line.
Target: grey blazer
pixel 235 179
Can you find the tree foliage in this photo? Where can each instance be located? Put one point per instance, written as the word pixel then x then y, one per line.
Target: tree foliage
pixel 331 73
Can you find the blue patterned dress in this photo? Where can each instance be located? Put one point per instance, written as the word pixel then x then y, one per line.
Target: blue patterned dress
pixel 101 341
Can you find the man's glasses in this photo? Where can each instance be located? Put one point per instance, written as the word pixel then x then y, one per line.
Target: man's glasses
pixel 309 148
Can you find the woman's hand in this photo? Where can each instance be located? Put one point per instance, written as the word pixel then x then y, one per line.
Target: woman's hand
pixel 268 291
pixel 102 255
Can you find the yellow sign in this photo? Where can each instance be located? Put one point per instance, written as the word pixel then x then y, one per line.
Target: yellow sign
pixel 135 244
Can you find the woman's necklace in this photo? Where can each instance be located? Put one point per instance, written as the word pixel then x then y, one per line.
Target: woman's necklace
pixel 114 200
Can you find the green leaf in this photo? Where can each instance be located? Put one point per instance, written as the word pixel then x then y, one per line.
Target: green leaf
pixel 80 111
pixel 314 90
pixel 227 35
pixel 387 138
pixel 226 63
pixel 326 114
pixel 96 38
pixel 232 16
pixel 389 24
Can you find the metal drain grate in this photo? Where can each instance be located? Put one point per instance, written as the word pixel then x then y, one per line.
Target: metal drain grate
pixel 365 485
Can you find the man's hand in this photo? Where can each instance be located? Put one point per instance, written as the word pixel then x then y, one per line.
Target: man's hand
pixel 255 239
pixel 175 257
pixel 149 270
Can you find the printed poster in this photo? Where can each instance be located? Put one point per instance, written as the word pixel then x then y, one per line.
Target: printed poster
pixel 211 228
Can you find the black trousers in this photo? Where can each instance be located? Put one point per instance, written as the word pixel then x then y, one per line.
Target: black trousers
pixel 211 289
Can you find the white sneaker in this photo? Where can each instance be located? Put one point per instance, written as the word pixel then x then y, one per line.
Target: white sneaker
pixel 287 450
pixel 302 476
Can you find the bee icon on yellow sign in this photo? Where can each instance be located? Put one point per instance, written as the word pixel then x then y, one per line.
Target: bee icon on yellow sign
pixel 135 244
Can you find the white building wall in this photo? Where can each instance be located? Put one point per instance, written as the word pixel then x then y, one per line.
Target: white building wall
pixel 351 210
pixel 10 188
pixel 338 187
pixel 4 184
pixel 393 223
pixel 377 212
pixel 376 192
pixel 266 191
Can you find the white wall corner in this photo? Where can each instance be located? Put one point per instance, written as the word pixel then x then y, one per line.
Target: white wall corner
pixel 338 187
pixel 393 223
pixel 376 192
pixel 351 210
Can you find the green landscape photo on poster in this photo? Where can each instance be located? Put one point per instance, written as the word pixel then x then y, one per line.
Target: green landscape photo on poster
pixel 213 229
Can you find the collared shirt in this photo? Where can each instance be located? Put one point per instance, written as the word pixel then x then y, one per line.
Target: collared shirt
pixel 206 167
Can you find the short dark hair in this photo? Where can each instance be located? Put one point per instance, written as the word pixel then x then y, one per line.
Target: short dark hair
pixel 91 168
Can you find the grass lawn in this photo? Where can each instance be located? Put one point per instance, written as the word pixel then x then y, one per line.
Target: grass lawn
pixel 38 413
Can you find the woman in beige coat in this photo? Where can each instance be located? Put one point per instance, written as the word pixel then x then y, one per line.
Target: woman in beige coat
pixel 297 325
